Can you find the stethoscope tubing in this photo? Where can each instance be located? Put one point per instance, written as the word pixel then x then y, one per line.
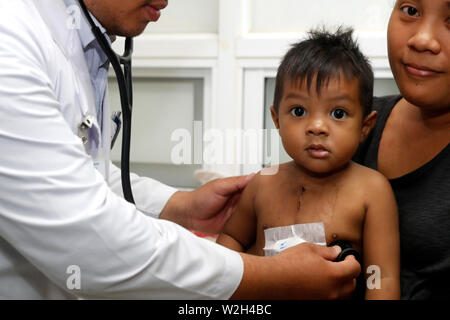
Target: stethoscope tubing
pixel 125 83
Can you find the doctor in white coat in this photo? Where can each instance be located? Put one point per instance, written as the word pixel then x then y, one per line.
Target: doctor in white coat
pixel 61 208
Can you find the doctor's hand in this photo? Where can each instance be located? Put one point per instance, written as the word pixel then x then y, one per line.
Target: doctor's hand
pixel 207 208
pixel 305 271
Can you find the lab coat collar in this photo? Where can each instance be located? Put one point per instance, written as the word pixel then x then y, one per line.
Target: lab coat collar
pixel 87 38
pixel 85 33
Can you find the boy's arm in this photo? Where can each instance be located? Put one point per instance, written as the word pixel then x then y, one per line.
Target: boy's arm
pixel 240 230
pixel 381 242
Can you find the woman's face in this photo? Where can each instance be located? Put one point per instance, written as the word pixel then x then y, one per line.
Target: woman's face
pixel 419 52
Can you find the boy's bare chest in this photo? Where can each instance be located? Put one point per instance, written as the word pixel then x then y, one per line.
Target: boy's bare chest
pixel 341 210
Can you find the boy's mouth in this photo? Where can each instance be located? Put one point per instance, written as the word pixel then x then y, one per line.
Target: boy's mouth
pixel 318 151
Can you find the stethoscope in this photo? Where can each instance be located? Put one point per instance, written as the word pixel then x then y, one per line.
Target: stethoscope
pixel 124 80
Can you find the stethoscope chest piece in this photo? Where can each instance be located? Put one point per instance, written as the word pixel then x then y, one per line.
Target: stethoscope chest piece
pixel 347 250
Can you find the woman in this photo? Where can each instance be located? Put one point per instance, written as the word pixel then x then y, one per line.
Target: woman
pixel 410 143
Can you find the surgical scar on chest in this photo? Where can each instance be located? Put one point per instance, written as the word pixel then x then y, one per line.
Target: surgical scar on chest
pixel 301 191
pixel 316 203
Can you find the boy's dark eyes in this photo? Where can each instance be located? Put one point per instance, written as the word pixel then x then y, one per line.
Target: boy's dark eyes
pixel 410 11
pixel 339 113
pixel 298 111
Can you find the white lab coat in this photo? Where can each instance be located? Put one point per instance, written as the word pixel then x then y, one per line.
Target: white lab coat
pixel 56 210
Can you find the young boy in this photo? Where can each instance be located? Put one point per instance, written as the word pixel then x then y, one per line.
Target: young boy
pixel 322 109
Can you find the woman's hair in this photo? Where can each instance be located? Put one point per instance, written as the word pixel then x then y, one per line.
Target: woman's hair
pixel 325 55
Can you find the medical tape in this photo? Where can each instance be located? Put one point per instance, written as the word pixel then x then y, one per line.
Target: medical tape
pixel 281 238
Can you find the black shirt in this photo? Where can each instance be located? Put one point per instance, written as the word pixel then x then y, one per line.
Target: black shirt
pixel 423 199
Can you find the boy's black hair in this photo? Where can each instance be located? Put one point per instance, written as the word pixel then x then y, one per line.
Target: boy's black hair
pixel 326 55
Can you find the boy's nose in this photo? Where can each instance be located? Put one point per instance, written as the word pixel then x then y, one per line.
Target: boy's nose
pixel 317 127
pixel 425 39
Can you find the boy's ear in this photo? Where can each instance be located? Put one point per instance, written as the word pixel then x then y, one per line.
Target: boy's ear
pixel 368 124
pixel 274 117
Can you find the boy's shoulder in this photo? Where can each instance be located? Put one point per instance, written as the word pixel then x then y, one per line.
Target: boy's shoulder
pixel 276 172
pixel 366 185
pixel 368 177
pixel 270 176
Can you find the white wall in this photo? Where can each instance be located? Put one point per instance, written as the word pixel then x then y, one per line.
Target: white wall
pixel 193 16
pixel 301 15
pixel 160 108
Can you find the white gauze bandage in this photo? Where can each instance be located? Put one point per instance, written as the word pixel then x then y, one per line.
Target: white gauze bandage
pixel 278 239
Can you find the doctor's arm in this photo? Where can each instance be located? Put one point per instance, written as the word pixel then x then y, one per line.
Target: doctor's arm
pixel 57 211
pixel 205 209
pixel 150 195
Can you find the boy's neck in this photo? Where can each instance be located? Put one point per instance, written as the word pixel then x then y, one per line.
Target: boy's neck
pixel 316 178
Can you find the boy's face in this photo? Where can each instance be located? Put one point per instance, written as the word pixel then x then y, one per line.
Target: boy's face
pixel 419 51
pixel 322 132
